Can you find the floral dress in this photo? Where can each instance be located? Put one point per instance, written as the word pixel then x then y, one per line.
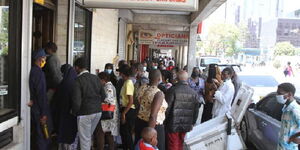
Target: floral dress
pixel 111 125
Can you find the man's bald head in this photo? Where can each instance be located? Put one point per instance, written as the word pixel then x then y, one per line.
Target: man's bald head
pixel 148 134
pixel 182 75
pixel 155 76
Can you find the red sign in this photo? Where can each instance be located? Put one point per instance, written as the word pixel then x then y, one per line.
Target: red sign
pixel 199 30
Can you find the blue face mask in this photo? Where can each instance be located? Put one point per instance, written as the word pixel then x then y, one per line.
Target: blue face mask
pixel 109 71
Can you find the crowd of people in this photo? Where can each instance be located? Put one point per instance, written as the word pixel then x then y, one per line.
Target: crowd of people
pixel 151 105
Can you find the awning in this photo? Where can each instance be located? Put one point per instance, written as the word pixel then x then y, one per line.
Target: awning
pixel 253 51
pixel 176 5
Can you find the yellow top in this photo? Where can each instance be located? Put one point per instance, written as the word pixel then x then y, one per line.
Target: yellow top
pixel 127 89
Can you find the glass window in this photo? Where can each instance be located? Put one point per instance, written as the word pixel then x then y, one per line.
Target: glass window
pixel 4 21
pixel 10 33
pixel 271 107
pixel 82 33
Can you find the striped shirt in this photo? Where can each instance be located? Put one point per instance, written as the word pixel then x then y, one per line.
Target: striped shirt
pixel 290 125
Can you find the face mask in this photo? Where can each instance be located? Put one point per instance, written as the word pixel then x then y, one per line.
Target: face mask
pixel 145 68
pixel 154 67
pixel 281 99
pixel 43 63
pixel 109 71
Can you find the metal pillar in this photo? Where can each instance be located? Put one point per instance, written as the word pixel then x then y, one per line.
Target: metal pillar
pixel 185 52
pixel 180 57
pixel 25 69
pixel 192 48
pixel 71 32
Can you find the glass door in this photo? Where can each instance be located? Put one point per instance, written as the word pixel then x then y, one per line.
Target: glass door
pixel 82 33
pixel 4 23
pixel 10 42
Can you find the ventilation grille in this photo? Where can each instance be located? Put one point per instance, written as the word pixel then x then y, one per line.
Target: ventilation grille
pixel 6 137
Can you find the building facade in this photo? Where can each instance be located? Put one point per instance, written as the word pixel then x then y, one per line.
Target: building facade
pixel 101 35
pixel 280 30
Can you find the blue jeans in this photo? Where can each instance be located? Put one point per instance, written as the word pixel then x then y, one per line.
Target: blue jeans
pixel 86 126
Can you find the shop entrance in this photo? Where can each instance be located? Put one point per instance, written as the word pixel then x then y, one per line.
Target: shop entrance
pixel 42 25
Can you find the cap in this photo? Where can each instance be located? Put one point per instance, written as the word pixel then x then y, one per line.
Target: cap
pixel 38 53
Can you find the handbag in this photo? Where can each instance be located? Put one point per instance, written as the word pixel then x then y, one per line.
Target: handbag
pixel 107 111
pixel 286 71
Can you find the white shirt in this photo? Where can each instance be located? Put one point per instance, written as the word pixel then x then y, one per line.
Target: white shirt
pixel 223 98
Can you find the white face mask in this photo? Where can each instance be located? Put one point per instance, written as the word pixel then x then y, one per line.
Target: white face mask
pixel 281 99
pixel 145 68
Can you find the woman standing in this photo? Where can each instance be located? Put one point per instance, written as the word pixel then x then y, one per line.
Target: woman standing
pixel 214 73
pixel 128 110
pixel 152 109
pixel 288 70
pixel 107 129
pixel 109 68
pixel 67 123
pixel 197 83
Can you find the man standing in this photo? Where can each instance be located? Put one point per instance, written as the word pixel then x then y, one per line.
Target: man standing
pixel 88 94
pixel 182 112
pixel 224 94
pixel 290 119
pixel 141 78
pixel 40 114
pixel 171 66
pixel 52 68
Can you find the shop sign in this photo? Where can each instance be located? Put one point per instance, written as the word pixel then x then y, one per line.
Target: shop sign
pixel 3 90
pixel 163 46
pixel 163 38
pixel 176 5
pixel 42 2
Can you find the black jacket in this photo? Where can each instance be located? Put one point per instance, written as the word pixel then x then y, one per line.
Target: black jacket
pixel 182 112
pixel 88 94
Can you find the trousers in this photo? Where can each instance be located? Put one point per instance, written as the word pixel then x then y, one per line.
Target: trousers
pixel 126 130
pixel 40 142
pixel 86 127
pixel 175 141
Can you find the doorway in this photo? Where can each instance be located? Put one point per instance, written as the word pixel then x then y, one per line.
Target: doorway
pixel 42 26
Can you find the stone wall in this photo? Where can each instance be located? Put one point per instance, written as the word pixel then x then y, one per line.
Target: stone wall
pixel 104 38
pixel 61 37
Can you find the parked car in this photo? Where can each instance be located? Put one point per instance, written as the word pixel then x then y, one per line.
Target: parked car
pixel 262 85
pixel 261 123
pixel 203 62
pixel 236 67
